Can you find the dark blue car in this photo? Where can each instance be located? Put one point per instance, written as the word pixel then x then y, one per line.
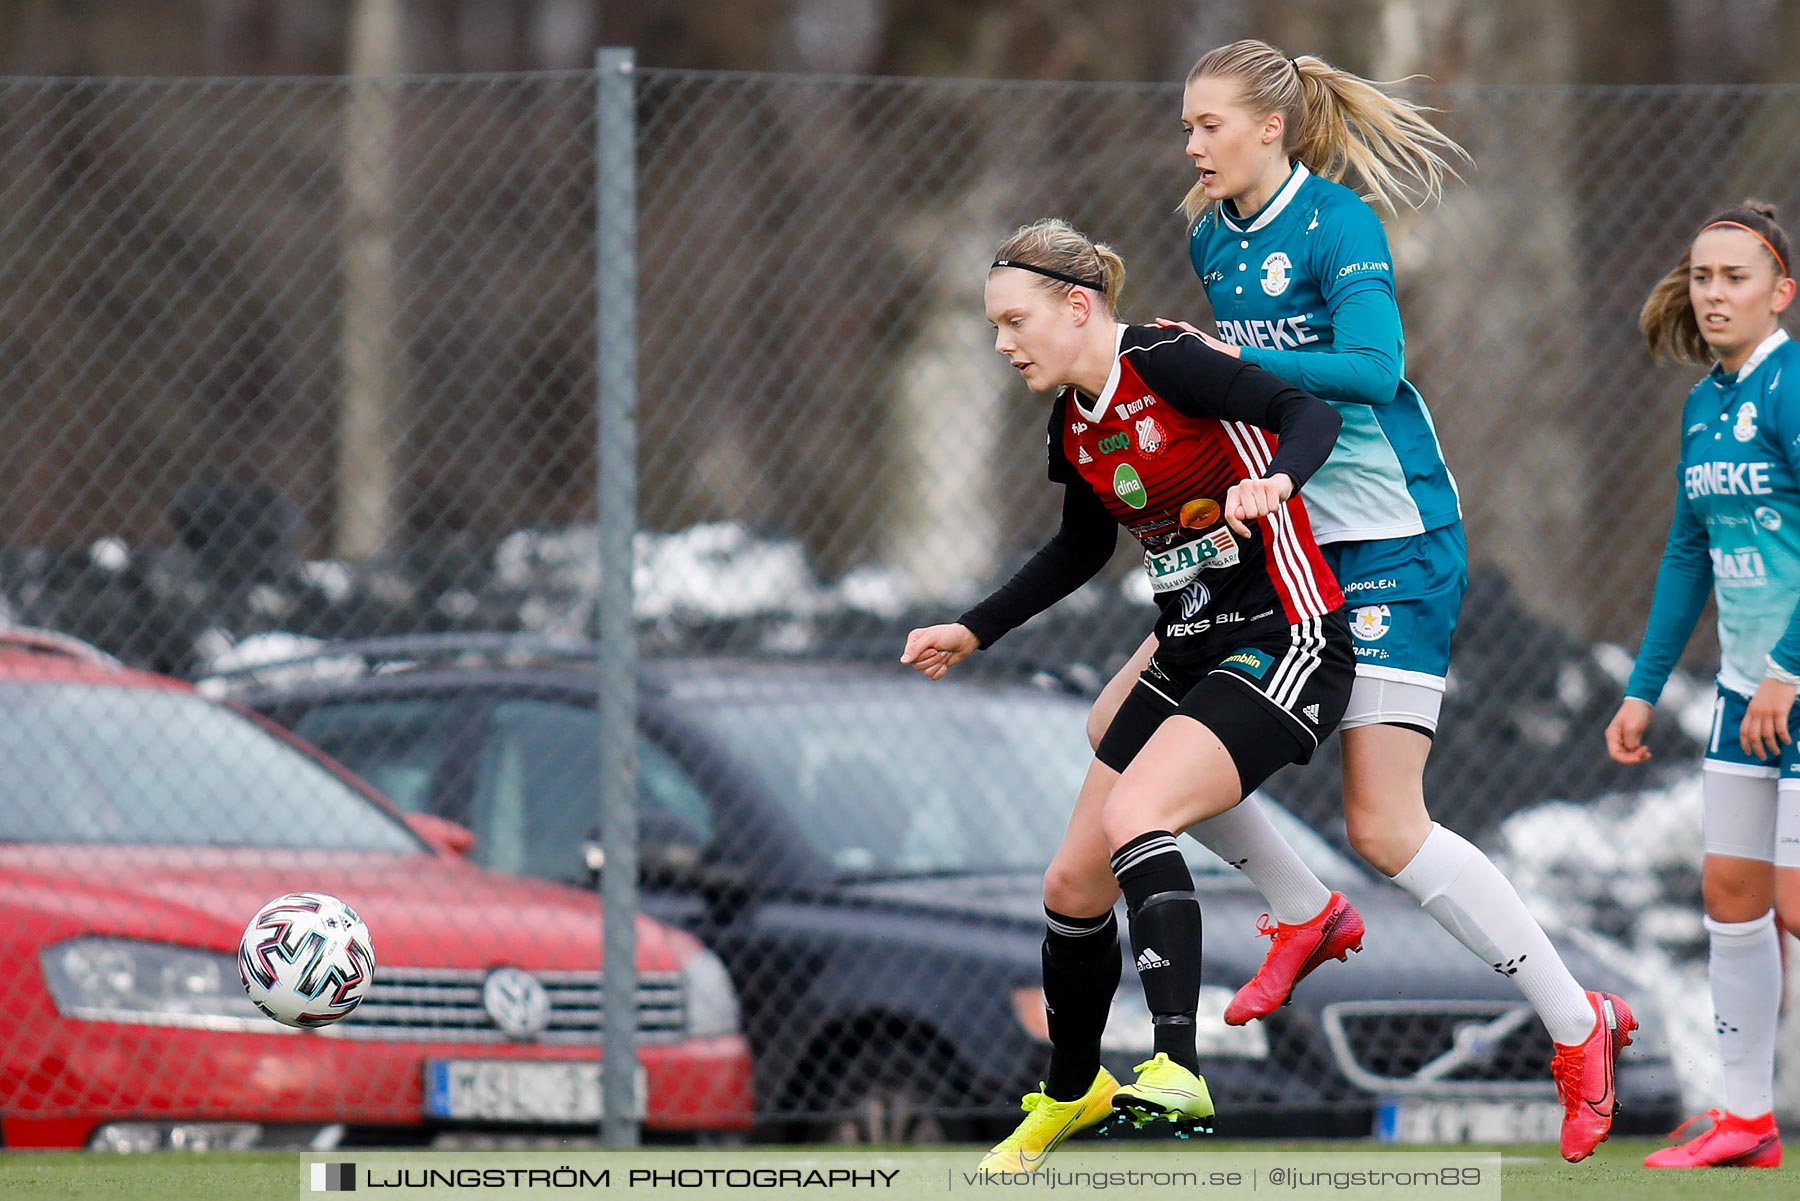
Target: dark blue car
pixel 864 849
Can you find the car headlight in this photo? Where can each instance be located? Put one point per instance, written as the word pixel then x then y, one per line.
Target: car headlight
pixel 712 1004
pixel 1129 1031
pixel 149 983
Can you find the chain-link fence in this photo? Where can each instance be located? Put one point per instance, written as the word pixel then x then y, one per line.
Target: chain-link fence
pixel 295 362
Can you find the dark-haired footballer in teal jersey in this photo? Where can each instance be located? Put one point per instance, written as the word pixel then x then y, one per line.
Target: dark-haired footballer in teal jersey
pixel 1736 537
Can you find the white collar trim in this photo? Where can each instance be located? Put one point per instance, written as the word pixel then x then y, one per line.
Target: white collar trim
pixel 1274 208
pixel 1112 381
pixel 1764 349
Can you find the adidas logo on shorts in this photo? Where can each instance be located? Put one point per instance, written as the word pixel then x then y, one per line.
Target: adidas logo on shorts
pixel 1148 958
pixel 1312 713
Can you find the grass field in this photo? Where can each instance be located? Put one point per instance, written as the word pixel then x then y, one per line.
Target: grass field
pixel 1529 1174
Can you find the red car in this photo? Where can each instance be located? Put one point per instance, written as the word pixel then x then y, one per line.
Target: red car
pixel 141 825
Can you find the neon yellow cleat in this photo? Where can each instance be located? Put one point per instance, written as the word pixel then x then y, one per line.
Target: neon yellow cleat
pixel 1047 1123
pixel 1164 1091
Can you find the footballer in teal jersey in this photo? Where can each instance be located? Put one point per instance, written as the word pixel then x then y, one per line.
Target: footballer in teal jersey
pixel 1276 278
pixel 1735 537
pixel 1301 281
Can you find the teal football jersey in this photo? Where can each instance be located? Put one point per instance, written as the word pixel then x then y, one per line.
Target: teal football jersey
pixel 1737 521
pixel 1273 278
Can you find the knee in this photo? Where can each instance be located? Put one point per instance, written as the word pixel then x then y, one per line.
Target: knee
pixel 1382 846
pixel 1076 893
pixel 1740 891
pixel 1120 818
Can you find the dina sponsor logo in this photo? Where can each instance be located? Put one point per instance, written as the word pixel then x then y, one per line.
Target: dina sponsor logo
pixel 1128 486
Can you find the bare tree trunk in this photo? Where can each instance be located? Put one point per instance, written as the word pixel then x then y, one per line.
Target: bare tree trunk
pixel 1488 345
pixel 371 419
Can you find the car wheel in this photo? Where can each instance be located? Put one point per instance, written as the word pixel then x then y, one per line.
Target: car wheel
pixel 889 1094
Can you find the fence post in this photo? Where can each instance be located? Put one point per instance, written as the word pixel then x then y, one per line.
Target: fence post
pixel 615 297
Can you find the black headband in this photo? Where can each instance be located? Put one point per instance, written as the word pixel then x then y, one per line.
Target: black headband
pixel 1067 279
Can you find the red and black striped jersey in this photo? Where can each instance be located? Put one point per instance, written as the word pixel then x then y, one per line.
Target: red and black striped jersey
pixel 1177 424
pixel 1162 444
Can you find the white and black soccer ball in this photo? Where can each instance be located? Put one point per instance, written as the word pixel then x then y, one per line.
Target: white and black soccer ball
pixel 306 959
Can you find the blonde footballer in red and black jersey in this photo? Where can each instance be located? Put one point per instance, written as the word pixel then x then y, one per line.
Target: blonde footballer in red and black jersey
pixel 1160 449
pixel 1200 457
pixel 1157 451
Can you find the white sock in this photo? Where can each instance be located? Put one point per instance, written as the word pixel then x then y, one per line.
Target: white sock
pixel 1465 892
pixel 1744 965
pixel 1244 837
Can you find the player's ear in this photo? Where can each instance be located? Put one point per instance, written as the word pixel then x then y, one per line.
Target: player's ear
pixel 1274 127
pixel 1784 294
pixel 1081 305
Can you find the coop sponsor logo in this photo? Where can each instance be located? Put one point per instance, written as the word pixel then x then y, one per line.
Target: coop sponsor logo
pixel 1114 443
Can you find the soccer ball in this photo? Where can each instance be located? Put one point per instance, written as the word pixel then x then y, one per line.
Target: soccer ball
pixel 306 959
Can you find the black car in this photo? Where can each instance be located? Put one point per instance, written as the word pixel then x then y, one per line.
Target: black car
pixel 864 849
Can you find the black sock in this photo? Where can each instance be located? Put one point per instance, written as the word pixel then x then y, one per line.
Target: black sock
pixel 1081 974
pixel 1165 937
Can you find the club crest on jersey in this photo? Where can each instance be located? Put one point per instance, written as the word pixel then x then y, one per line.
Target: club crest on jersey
pixel 1745 429
pixel 1176 567
pixel 1150 435
pixel 1275 277
pixel 1370 622
pixel 1128 486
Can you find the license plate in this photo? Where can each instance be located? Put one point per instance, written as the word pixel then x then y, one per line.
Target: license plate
pixel 1415 1121
pixel 511 1090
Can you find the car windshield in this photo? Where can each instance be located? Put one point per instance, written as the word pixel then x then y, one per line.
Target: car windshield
pixel 131 766
pixel 891 783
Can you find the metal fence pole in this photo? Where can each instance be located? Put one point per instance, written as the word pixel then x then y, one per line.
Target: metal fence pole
pixel 616 332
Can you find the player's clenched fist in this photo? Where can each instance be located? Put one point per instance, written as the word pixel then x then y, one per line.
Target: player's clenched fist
pixel 934 650
pixel 1251 500
pixel 1625 733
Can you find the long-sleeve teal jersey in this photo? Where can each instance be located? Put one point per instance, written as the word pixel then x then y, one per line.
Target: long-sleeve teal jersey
pixel 1736 530
pixel 1290 284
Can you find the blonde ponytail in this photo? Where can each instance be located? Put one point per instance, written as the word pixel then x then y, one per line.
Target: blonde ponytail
pixel 1340 125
